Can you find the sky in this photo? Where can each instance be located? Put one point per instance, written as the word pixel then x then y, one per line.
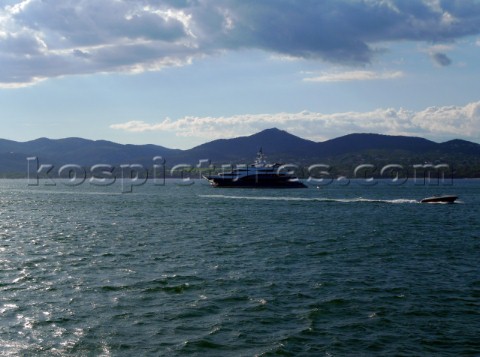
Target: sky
pixel 182 73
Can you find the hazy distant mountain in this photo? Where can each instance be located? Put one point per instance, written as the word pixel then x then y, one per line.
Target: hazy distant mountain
pixel 76 151
pixel 275 143
pixel 360 142
pixel 278 145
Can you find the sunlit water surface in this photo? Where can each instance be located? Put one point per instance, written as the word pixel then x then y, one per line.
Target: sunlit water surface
pixel 181 270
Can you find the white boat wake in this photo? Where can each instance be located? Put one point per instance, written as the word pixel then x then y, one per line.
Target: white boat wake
pixel 312 199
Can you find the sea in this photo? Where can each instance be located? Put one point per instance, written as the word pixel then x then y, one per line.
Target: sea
pixel 181 268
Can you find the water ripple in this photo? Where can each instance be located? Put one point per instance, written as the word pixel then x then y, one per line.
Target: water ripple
pixel 184 271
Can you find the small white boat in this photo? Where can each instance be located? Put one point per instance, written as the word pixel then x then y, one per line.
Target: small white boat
pixel 440 199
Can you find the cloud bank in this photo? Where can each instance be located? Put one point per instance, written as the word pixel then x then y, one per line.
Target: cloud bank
pixel 42 39
pixel 437 123
pixel 354 76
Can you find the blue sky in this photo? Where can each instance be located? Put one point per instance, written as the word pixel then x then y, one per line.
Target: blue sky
pixel 180 73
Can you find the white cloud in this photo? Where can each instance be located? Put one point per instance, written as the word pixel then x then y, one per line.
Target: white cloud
pixel 354 76
pixel 42 39
pixel 440 48
pixel 437 123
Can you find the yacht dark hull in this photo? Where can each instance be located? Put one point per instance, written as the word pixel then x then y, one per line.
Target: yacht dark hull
pixel 255 182
pixel 257 175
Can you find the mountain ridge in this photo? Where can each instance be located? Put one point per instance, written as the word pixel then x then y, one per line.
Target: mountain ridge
pixel 279 146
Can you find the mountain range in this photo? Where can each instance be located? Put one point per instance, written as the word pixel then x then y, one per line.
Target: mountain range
pixel 279 146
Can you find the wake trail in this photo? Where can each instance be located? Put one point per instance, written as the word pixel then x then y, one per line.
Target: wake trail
pixel 312 199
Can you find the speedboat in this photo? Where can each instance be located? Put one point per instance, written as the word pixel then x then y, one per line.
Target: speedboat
pixel 440 199
pixel 260 174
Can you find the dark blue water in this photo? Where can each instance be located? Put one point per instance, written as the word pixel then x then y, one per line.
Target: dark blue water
pixel 174 270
